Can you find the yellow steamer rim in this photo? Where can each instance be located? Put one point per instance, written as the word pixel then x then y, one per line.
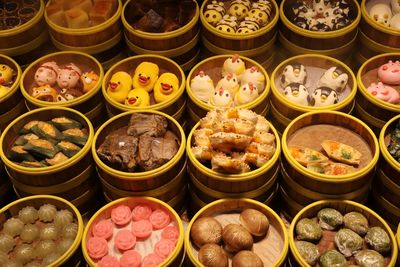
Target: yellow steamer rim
pixel 161 40
pixel 138 176
pixel 240 41
pixel 329 39
pixel 57 201
pixel 398 237
pixel 281 100
pixel 394 164
pixel 242 203
pixel 136 200
pixel 141 58
pixel 312 209
pixel 207 107
pixel 15 86
pixel 233 178
pixel 64 56
pixel 86 37
pixel 393 109
pixel 48 169
pixel 346 178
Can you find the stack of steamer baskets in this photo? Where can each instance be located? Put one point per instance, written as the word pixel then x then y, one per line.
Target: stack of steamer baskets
pixel 157 168
pixel 319 27
pixel 248 28
pixel 168 29
pixel 23 30
pixel 47 151
pixel 379 29
pixel 83 26
pixel 310 82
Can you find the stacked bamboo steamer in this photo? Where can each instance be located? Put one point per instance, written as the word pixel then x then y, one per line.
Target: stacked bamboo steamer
pixel 335 43
pixel 73 179
pixel 375 35
pixel 103 40
pixel 180 45
pixel 386 189
pixel 257 44
pixel 167 183
pixel 301 186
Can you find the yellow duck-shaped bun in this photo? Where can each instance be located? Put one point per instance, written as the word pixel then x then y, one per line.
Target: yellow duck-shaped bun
pixel 6 74
pixel 3 90
pixel 233 65
pixel 166 87
pixel 221 98
pixel 119 86
pixel 89 81
pixel 146 75
pixel 137 97
pixel 246 94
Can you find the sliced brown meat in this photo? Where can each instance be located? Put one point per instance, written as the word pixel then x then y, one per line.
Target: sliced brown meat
pixel 147 125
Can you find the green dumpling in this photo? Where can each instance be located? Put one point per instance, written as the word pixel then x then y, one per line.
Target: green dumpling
pixel 332 258
pixel 356 222
pixel 348 242
pixel 47 131
pixel 28 127
pixel 69 149
pixel 23 139
pixel 76 136
pixel 308 230
pixel 19 153
pixel 58 158
pixel 64 123
pixel 33 164
pixel 308 251
pixel 329 218
pixel 369 258
pixel 378 239
pixel 42 148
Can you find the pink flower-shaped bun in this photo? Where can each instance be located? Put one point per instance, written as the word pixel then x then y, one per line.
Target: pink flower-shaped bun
pixel 164 248
pixel 142 229
pixel 103 229
pixel 108 261
pixel 141 212
pixel 97 247
pixel 121 215
pixel 124 240
pixel 131 258
pixel 170 232
pixel 151 260
pixel 159 219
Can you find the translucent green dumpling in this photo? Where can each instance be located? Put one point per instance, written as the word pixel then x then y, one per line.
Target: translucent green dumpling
pixel 368 258
pixel 332 258
pixel 378 239
pixel 308 251
pixel 329 218
pixel 348 242
pixel 356 222
pixel 308 230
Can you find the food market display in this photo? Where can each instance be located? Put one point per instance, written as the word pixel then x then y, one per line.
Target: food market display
pixel 7 78
pixel 138 235
pixel 145 144
pixel 80 14
pixel 233 141
pixel 48 143
pixel 55 82
pixel 17 12
pixel 332 150
pixel 335 239
pixel 235 83
pixel 238 16
pixel 147 86
pixel 313 86
pixel 37 237
pixel 155 17
pixel 322 16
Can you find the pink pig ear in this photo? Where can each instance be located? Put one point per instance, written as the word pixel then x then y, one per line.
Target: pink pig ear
pixel 380 84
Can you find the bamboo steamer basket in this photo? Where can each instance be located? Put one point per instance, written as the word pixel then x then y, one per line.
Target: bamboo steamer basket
pixel 398 237
pixel 207 194
pixel 89 103
pixel 227 211
pixel 291 110
pixel 330 184
pixel 12 103
pixel 379 111
pixel 341 52
pixel 26 37
pixel 215 63
pixel 93 39
pixel 370 48
pixel 317 40
pixel 160 41
pixel 139 181
pixel 343 206
pixel 233 183
pixel 289 207
pixel 176 256
pixel 377 32
pixel 173 107
pixel 387 190
pixel 389 211
pixel 50 175
pixel 72 256
pixel 239 42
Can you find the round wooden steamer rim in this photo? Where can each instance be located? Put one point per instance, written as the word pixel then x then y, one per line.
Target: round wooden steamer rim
pixel 385 153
